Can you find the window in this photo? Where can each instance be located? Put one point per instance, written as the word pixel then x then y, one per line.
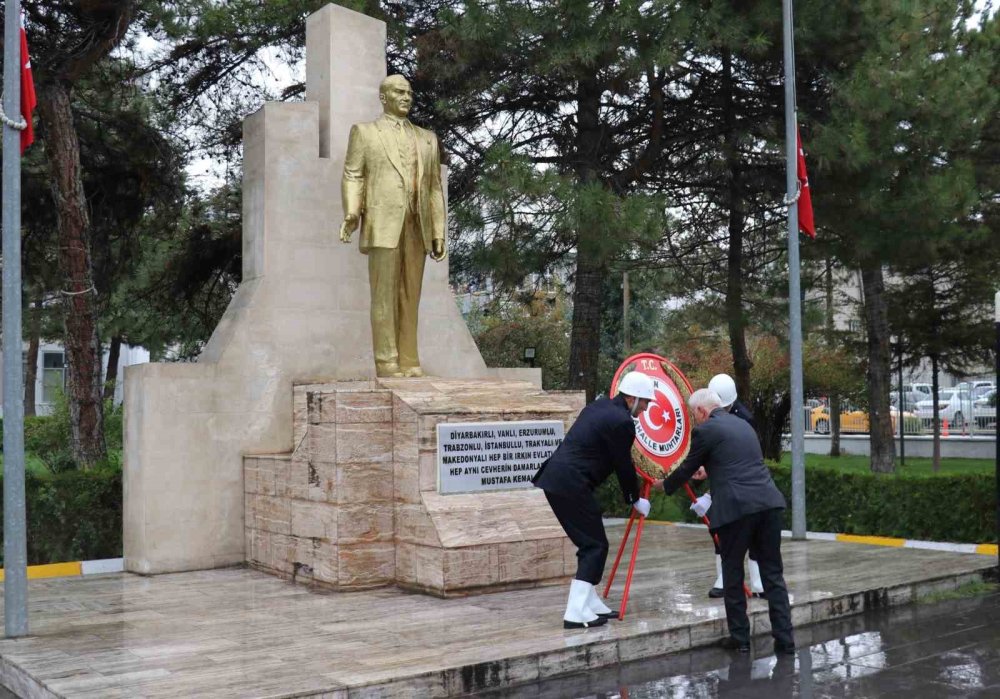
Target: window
pixel 53 376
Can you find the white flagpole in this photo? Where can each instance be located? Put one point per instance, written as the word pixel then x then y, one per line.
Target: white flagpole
pixel 794 285
pixel 15 584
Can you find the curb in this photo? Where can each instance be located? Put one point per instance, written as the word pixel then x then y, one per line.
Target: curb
pixel 74 569
pixel 981 549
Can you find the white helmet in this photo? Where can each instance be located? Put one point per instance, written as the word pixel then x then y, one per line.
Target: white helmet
pixel 725 387
pixel 637 385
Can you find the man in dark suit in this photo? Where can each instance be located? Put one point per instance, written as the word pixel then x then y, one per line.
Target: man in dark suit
pixel 746 512
pixel 725 388
pixel 599 442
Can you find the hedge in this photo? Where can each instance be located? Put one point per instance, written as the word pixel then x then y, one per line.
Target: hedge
pixel 74 515
pixel 951 507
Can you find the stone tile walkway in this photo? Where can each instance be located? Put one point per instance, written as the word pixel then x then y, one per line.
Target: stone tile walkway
pixel 241 633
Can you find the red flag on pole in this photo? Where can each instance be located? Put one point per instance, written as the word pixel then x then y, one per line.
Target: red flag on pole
pixel 28 99
pixel 805 206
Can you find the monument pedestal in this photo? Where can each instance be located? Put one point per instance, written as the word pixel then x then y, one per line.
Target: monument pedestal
pixel 356 504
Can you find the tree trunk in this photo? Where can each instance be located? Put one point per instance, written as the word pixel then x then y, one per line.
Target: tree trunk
pixel 935 416
pixel 836 406
pixel 114 352
pixel 591 263
pixel 882 439
pixel 585 337
pixel 734 279
pixel 83 359
pixel 31 368
pixel 771 413
pixel 830 340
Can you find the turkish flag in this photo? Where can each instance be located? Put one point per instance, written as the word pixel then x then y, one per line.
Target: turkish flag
pixel 28 99
pixel 805 204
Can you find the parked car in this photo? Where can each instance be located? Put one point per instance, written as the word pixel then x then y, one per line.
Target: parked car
pixel 984 409
pixel 982 390
pixel 854 420
pixel 924 388
pixel 954 405
pixel 910 399
pixel 973 386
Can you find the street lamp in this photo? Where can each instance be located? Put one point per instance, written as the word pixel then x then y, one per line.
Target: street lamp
pixel 898 341
pixel 529 356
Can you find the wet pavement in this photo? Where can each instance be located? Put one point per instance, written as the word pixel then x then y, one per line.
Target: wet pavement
pixel 241 633
pixel 942 649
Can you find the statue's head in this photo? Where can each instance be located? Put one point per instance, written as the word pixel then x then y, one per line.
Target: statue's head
pixel 396 95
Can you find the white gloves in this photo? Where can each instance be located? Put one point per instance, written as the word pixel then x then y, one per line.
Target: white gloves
pixel 701 505
pixel 641 506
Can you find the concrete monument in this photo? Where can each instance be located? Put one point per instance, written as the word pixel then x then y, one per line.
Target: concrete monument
pixel 281 447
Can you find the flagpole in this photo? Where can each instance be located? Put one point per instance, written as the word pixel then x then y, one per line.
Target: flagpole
pixel 15 583
pixel 794 285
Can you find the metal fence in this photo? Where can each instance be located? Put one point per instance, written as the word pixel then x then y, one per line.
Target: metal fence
pixel 967 409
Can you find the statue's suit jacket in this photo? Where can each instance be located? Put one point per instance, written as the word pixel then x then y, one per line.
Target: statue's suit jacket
pixel 373 187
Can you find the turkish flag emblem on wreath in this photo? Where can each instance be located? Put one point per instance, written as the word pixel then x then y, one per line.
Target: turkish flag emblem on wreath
pixel 663 432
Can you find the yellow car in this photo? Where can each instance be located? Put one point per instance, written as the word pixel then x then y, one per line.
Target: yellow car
pixel 850 420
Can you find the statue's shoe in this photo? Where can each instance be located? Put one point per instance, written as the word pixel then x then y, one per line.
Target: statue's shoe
pixel 413 372
pixel 389 370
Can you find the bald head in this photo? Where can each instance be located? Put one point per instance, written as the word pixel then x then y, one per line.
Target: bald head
pixel 396 95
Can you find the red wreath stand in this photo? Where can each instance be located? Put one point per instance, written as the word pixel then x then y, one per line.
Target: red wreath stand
pixel 647 484
pixel 664 368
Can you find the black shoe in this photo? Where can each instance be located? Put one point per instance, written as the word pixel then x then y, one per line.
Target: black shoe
pixel 610 615
pixel 716 593
pixel 730 643
pixel 599 621
pixel 784 648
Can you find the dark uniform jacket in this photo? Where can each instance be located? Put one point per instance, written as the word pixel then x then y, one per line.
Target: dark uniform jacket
pixel 742 411
pixel 599 442
pixel 741 485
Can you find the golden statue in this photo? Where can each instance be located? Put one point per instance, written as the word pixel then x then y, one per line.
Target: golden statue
pixel 392 185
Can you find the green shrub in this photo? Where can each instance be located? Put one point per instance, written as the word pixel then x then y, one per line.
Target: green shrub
pixel 74 515
pixel 48 436
pixel 673 508
pixel 952 507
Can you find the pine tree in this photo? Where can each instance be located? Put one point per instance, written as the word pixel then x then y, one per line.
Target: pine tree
pixel 569 100
pixel 892 145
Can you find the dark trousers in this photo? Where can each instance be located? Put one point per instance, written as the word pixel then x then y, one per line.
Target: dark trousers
pixel 760 534
pixel 718 551
pixel 580 517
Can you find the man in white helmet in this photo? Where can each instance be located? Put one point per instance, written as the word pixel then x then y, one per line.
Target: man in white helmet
pixel 599 442
pixel 724 386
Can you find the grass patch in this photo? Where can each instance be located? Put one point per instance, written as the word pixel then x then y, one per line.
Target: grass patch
pixel 915 466
pixel 973 589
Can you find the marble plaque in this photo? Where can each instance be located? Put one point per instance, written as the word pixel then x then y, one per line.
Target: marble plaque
pixel 483 456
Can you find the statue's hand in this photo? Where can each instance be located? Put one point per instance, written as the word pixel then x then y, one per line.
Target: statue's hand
pixel 347 227
pixel 437 250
